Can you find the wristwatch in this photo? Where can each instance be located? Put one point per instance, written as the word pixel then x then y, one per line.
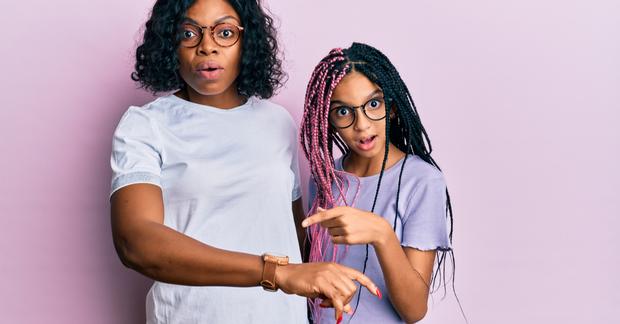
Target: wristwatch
pixel 270 262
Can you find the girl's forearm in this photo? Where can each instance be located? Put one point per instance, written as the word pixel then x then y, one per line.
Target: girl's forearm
pixel 407 289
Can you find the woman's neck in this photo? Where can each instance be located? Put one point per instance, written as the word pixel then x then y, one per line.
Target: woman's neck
pixel 225 100
pixel 365 167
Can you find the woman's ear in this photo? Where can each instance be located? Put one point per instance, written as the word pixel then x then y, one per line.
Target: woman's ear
pixel 393 112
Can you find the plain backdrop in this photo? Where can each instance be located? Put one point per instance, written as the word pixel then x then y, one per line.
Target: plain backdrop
pixel 520 98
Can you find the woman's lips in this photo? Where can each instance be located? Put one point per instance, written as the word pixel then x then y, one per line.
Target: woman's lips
pixel 211 75
pixel 367 143
pixel 209 70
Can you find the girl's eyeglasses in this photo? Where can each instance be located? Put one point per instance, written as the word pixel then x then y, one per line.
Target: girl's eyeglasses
pixel 344 116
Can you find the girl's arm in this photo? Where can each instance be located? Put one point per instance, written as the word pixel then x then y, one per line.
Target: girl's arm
pixel 407 271
pixel 145 244
pixel 299 215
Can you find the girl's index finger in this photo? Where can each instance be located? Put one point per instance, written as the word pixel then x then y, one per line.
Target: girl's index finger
pixel 320 216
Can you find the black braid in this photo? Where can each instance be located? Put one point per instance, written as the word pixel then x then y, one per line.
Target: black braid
pixel 406 132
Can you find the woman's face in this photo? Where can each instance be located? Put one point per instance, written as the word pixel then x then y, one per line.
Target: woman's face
pixel 208 68
pixel 365 136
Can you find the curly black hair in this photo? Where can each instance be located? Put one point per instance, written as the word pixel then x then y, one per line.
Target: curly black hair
pixel 157 62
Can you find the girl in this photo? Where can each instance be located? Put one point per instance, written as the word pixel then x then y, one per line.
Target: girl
pixel 191 171
pixel 382 207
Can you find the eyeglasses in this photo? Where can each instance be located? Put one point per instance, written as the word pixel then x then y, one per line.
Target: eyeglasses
pixel 344 116
pixel 223 34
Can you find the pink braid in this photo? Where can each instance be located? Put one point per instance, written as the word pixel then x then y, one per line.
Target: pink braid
pixel 315 140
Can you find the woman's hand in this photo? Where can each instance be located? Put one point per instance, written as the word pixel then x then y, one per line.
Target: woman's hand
pixel 348 225
pixel 325 280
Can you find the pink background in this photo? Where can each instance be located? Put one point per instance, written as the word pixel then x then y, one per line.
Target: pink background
pixel 520 99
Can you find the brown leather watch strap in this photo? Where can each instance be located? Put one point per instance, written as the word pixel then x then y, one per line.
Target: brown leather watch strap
pixel 270 264
pixel 269 276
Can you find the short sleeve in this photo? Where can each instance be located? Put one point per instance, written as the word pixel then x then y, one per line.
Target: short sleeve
pixel 135 154
pixel 424 222
pixel 312 192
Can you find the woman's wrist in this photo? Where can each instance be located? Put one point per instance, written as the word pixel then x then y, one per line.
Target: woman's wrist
pixel 282 276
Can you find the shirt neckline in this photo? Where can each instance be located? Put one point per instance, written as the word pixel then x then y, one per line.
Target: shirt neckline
pixel 248 103
pixel 387 171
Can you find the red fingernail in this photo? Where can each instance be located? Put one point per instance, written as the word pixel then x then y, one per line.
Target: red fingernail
pixel 339 319
pixel 379 294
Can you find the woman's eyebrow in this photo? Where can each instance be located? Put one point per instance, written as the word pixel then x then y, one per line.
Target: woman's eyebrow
pixel 217 21
pixel 368 97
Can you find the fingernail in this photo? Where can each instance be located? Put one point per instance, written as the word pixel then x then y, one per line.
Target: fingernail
pixel 304 223
pixel 320 209
pixel 339 319
pixel 379 294
pixel 322 306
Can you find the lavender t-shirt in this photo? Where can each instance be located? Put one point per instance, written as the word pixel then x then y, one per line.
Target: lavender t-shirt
pixel 422 225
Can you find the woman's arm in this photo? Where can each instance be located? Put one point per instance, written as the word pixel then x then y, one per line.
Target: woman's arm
pixel 145 244
pixel 406 271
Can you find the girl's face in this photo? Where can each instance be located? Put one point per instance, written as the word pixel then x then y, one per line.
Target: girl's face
pixel 366 134
pixel 210 69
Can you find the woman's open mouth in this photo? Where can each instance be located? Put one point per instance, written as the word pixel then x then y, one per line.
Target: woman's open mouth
pixel 210 70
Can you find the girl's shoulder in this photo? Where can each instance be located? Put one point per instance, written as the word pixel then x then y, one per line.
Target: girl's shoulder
pixel 417 168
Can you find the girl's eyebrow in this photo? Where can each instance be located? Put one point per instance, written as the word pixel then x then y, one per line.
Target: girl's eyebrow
pixel 377 91
pixel 217 21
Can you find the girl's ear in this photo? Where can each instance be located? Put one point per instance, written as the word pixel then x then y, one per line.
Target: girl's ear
pixel 393 112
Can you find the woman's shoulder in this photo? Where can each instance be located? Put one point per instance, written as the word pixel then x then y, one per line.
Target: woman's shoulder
pixel 275 112
pixel 272 107
pixel 144 119
pixel 154 109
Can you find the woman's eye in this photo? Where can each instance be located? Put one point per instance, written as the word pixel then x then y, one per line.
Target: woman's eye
pixel 226 33
pixel 187 34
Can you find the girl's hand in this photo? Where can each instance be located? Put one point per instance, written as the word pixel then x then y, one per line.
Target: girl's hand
pixel 347 225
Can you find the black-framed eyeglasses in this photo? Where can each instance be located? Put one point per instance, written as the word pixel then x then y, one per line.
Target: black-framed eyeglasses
pixel 344 116
pixel 223 34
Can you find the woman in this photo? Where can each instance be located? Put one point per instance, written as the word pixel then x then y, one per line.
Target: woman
pixel 204 178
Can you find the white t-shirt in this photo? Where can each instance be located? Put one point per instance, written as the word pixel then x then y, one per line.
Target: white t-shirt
pixel 228 178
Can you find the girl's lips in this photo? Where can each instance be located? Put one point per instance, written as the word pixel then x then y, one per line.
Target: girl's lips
pixel 367 144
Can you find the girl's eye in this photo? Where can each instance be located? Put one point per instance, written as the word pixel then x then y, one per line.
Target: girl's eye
pixel 374 104
pixel 342 111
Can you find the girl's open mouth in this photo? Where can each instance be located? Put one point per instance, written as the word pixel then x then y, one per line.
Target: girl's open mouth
pixel 367 143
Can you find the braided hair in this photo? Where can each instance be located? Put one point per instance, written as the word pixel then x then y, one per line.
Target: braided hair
pixel 317 138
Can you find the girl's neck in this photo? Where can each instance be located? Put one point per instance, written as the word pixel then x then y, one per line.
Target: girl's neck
pixel 365 167
pixel 225 100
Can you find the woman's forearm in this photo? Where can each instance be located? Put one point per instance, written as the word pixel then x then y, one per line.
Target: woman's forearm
pixel 169 256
